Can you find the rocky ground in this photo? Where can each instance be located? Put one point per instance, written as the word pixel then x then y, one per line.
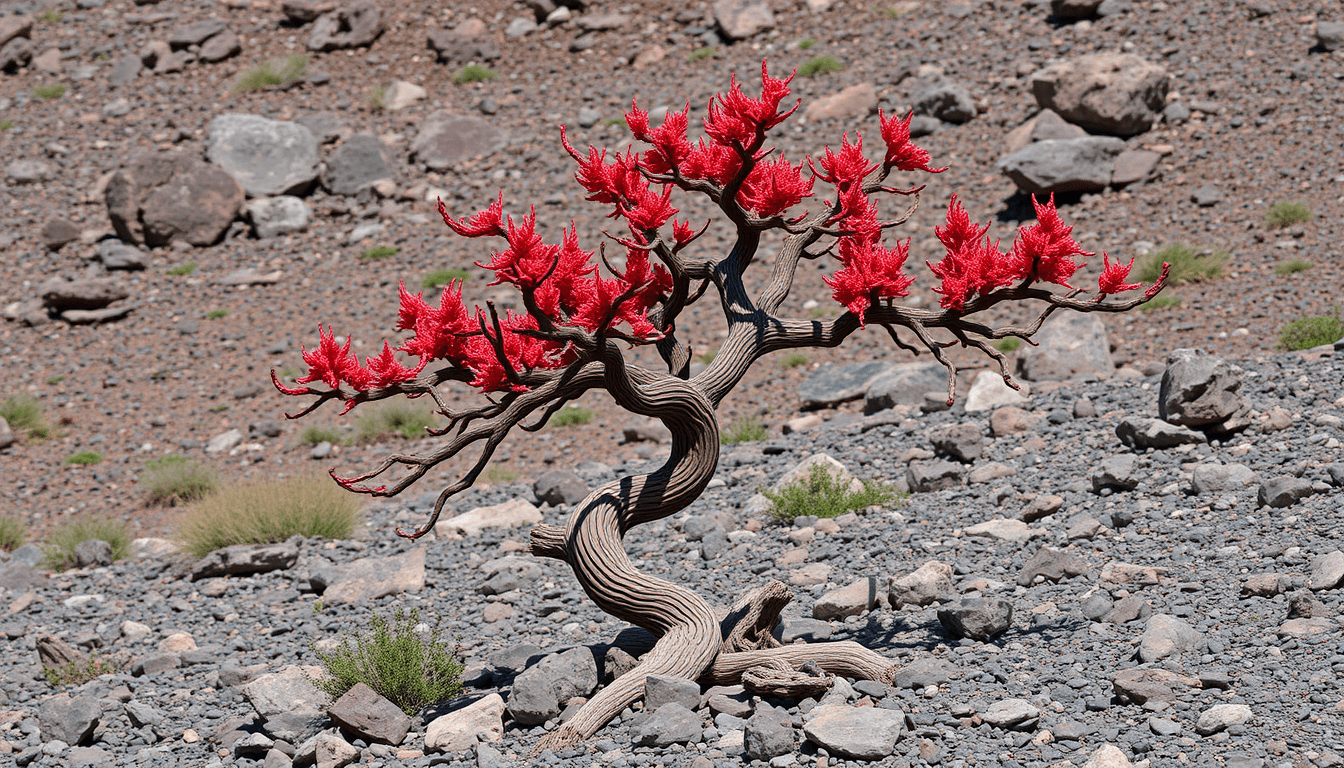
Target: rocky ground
pixel 148 160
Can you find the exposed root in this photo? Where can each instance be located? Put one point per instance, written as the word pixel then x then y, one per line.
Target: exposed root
pixel 845 658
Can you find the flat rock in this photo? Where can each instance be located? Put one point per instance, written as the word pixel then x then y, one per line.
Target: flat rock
pixel 1119 94
pixel 1011 714
pixel 1300 629
pixel 1063 165
pixel 1133 166
pixel 1165 635
pixel 861 595
pixel 159 197
pixel 241 559
pixel 85 293
pixel 853 102
pixel 1155 433
pixel 353 26
pixel 1284 491
pixel 268 157
pixel 860 733
pixel 903 384
pixel 463 729
pixel 365 714
pixel 1139 686
pixel 116 255
pixel 989 391
pixel 1327 571
pixel 930 583
pixel 1053 565
pixel 510 514
pixel 741 19
pixel 1069 343
pixel 1220 717
pixel 832 384
pixel 195 33
pixel 357 164
pixel 922 673
pixel 451 46
pixel 373 577
pixel 445 140
pixel 1003 529
pixel 71 720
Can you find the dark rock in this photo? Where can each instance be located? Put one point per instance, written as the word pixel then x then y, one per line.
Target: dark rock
pixel 948 102
pixel 928 476
pixel 978 618
pixel 560 487
pixel 92 553
pixel 1066 165
pixel 116 255
pixel 1304 605
pixel 924 672
pixel 54 652
pixel 161 197
pixel 539 691
pixel 241 559
pixel 769 734
pixel 1203 392
pixel 1284 491
pixel 834 384
pixel 16 54
pixel 962 442
pixel 70 720
pixel 355 165
pixel 1330 35
pixel 1053 565
pixel 304 11
pixel 88 293
pixel 1074 9
pixel 454 48
pixel 446 139
pixel 354 26
pixel 1155 433
pixel 363 713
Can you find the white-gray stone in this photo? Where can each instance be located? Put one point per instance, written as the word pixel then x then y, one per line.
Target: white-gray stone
pixel 1011 714
pixel 274 216
pixel 1164 635
pixel 1219 717
pixel 861 733
pixel 460 730
pixel 1327 571
pixel 268 157
pixel 1068 344
pixel 989 391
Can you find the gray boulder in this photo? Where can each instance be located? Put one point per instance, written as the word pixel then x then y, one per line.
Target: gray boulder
pixel 355 165
pixel 124 71
pixel 903 384
pixel 1119 94
pixel 769 734
pixel 539 691
pixel 363 713
pixel 560 486
pixel 116 255
pixel 92 553
pixel 1070 343
pixel 834 384
pixel 1330 35
pixel 268 157
pixel 451 47
pixel 670 724
pixel 1012 714
pixel 1116 473
pixel 948 102
pixel 860 733
pixel 241 559
pixel 741 19
pixel 962 442
pixel 1165 635
pixel 979 618
pixel 70 720
pixel 1221 478
pixel 1063 165
pixel 930 583
pixel 665 689
pixel 1285 491
pixel 194 33
pixel 354 26
pixel 1203 392
pixel 446 139
pixel 1155 433
pixel 274 216
pixel 159 197
pixel 938 475
pixel 86 293
pixel 290 706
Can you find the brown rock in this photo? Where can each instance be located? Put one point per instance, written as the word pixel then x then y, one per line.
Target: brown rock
pixel 12 27
pixel 1010 420
pixel 304 11
pixel 369 716
pixel 15 54
pixel 458 46
pixel 1042 507
pixel 1119 94
pixel 1133 166
pixel 740 19
pixel 160 197
pixel 649 56
pixel 856 101
pixel 1143 685
pixel 446 139
pixel 89 293
pixel 1127 610
pixel 95 316
pixel 375 577
pixel 55 653
pixel 1266 584
pixel 351 27
pixel 223 46
pixel 49 61
pixel 57 232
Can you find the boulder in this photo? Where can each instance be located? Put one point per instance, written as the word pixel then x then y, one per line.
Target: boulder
pixel 903 384
pixel 463 729
pixel 1329 35
pixel 1327 571
pixel 510 514
pixel 929 476
pixel 851 103
pixel 1155 433
pixel 1011 714
pixel 741 19
pixel 860 733
pixel 452 47
pixel 1118 94
pixel 242 559
pixel 560 486
pixel 1221 478
pixel 539 691
pixel 1220 717
pixel 304 11
pixel 445 140
pixel 671 723
pixel 15 27
pixel 59 232
pixel 1165 635
pixel 922 673
pixel 1203 392
pixel 159 197
pixel 86 293
pixel 223 46
pixel 364 714
pixel 930 583
pixel 354 166
pixel 962 442
pixel 989 391
pixel 354 26
pixel 1133 166
pixel 1069 343
pixel 373 577
pixel 859 596
pixel 69 720
pixel 979 618
pixel 16 54
pixel 946 101
pixel 194 33
pixel 1053 565
pixel 665 689
pixel 275 216
pixel 1139 686
pixel 1116 473
pixel 268 157
pixel 290 706
pixel 1063 165
pixel 1284 491
pixel 768 734
pixel 1045 125
pixel 831 384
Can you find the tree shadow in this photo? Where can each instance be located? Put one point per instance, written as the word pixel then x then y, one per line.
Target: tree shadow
pixel 1017 207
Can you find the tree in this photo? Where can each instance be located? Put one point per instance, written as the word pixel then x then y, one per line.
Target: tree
pixel 569 340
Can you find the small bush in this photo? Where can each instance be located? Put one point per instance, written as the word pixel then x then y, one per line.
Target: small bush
pixel 497 475
pixel 806 43
pixel 51 17
pixel 1160 301
pixel 60 546
pixel 1285 214
pixel 1008 345
pixel 793 360
pixel 706 52
pixel 707 357
pixel 216 314
pixel 821 65
pixel 443 277
pixel 381 252
pixel 55 380
pixel 404 420
pixel 181 270
pixel 13 533
pixel 1188 264
pixel 267 512
pixel 313 434
pixel 821 494
pixel 408 666
pixel 24 414
pixel 474 73
pixel 49 91
pixel 378 97
pixel 1308 332
pixel 743 431
pixel 84 458
pixel 79 672
pixel 571 416
pixel 174 479
pixel 5 125
pixel 274 72
pixel 1292 267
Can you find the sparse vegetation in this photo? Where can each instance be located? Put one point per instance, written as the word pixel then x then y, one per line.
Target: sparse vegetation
pixel 405 420
pixel 793 360
pixel 313 434
pixel 55 379
pixel 51 17
pixel 1160 301
pixel 13 533
pixel 60 546
pixel 274 72
pixel 1308 332
pixel 175 479
pixel 1292 267
pixel 181 270
pixel 745 430
pixel 497 475
pixel 443 277
pixel 474 73
pixel 821 65
pixel 1008 345
pixel 823 495
pixel 216 314
pixel 79 672
pixel 1188 264
pixel 707 357
pixel 610 121
pixel 24 414
pixel 381 252
pixel 49 91
pixel 1285 214
pixel 84 458
pixel 266 512
pixel 704 52
pixel 409 666
pixel 378 97
pixel 5 125
pixel 571 416
pixel 806 43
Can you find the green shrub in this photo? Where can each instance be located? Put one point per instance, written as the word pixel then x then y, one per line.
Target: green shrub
pixel 13 533
pixel 707 357
pixel 571 416
pixel 84 458
pixel 274 72
pixel 702 53
pixel 443 277
pixel 60 546
pixel 381 252
pixel 411 668
pixel 806 43
pixel 793 360
pixel 1308 332
pixel 79 672
pixel 474 73
pixel 313 434
pixel 497 475
pixel 181 270
pixel 405 420
pixel 1008 344
pixel 24 414
pixel 1285 214
pixel 216 314
pixel 51 17
pixel 745 430
pixel 378 97
pixel 821 65
pixel 5 125
pixel 1160 301
pixel 1292 267
pixel 821 494
pixel 267 512
pixel 1188 264
pixel 174 479
pixel 49 91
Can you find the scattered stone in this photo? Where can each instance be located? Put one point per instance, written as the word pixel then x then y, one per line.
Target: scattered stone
pixel 510 514
pixel 802 472
pixel 452 46
pixel 831 384
pixel 1304 605
pixel 194 33
pixel 1284 491
pixel 402 94
pixel 960 441
pixel 332 751
pixel 1155 433
pixel 1010 420
pixel 560 486
pixel 1206 196
pixel 1140 686
pixel 903 384
pixel 1220 717
pixel 979 618
pixel 59 232
pixel 353 27
pixel 989 391
pixel 852 103
pixel 929 476
pixel 359 163
pixel 1133 166
pixel 1117 473
pixel 1000 529
pixel 665 689
pixel 69 720
pixel 223 46
pixel 852 600
pixel 15 54
pixel 671 723
pixel 87 293
pixel 1109 755
pixel 116 255
pixel 922 673
pixel 54 652
pixel 241 559
pixel 1165 635
pixel 1221 478
pixel 948 102
pixel 268 157
pixel 1271 584
pixel 1045 126
pixel 646 430
pixel 368 716
pixel 458 731
pixel 1074 9
pixel 373 577
pixel 1118 94
pixel 1012 714
pixel 445 140
pixel 769 734
pixel 1203 392
pixel 1052 564
pixel 275 216
pixel 1069 343
pixel 860 733
pixel 930 583
pixel 1329 35
pixel 741 19
pixel 1327 571
pixel 157 198
pixel 1041 507
pixel 1301 629
pixel 539 691
pixel 988 473
pixel 290 706
pixel 1063 165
